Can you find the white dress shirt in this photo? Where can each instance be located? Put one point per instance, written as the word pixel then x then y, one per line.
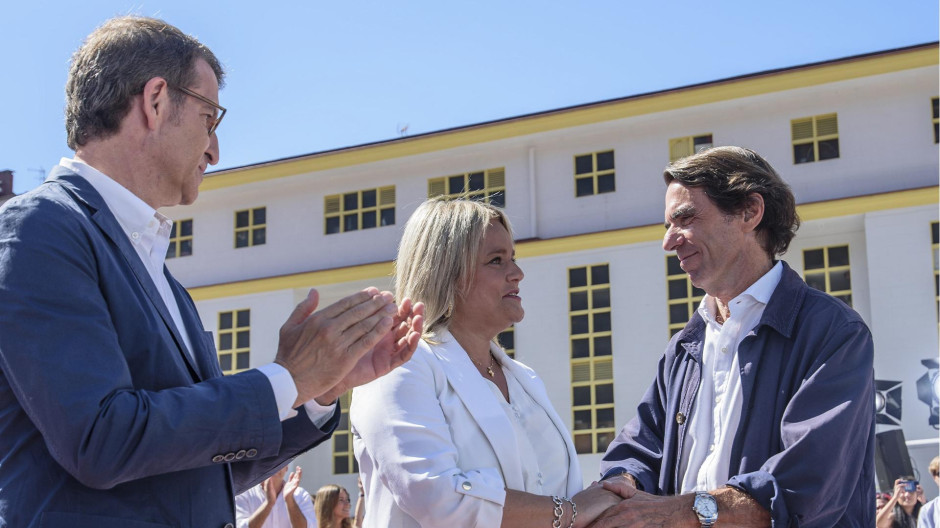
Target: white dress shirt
pixel 149 233
pixel 542 449
pixel 248 503
pixel 706 454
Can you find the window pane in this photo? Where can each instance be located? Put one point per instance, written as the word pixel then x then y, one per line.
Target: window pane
pixel 582 444
pixel 340 442
pixel 600 275
pixel 604 440
pixel 579 324
pixel 829 149
pixel 173 230
pixel 602 346
pixel 498 199
pixel 387 216
pixel 839 280
pixel 259 216
pixel 672 265
pixel 816 280
pixel 332 225
pixel 583 164
pixel 186 248
pixel 368 219
pixel 605 160
pixel 606 183
pixel 847 299
pixel 476 182
pixel 935 232
pixel 225 320
pixel 241 239
pixel 340 465
pixel 242 339
pixel 171 250
pixel 678 313
pixel 350 222
pixel 242 361
pixel 258 236
pixel 243 318
pixel 602 322
pixel 578 300
pixel 604 393
pixel 577 277
pixel 701 140
pixel 803 153
pixel 813 259
pixel 600 298
pixel 507 339
pixel 605 418
pixel 678 289
pixel 186 228
pixel 455 184
pixel 582 420
pixel 368 198
pixel 225 341
pixel 241 219
pixel 839 256
pixel 350 201
pixel 697 292
pixel 225 362
pixel 580 396
pixel 580 348
pixel 584 186
pixel 935 102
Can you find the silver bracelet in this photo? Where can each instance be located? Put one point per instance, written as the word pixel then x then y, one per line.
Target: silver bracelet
pixel 559 511
pixel 574 512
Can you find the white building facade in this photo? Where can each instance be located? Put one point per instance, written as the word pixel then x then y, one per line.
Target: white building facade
pixel 855 138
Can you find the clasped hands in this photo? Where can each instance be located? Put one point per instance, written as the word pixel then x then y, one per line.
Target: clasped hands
pixel 349 343
pixel 615 502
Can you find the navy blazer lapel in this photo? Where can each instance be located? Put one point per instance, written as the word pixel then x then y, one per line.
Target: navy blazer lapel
pixel 203 344
pixel 105 220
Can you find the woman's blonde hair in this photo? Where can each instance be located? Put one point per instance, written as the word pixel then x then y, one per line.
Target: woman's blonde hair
pixel 326 500
pixel 438 253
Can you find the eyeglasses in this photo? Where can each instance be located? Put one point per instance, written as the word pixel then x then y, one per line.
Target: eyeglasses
pixel 213 122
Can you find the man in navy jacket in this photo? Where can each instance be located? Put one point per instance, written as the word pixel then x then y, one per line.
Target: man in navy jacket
pixel 113 409
pixel 762 410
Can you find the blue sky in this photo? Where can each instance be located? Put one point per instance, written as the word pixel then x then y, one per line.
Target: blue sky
pixel 307 76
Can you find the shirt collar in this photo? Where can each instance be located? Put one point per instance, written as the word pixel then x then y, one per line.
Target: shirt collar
pixel 143 224
pixel 759 292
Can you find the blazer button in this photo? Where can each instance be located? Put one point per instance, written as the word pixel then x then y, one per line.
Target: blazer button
pixel 218 459
pixel 251 453
pixel 229 457
pixel 466 486
pixel 229 525
pixel 680 418
pixel 240 455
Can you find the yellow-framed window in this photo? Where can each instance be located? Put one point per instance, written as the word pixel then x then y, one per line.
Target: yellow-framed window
pixel 234 346
pixel 594 173
pixel 935 118
pixel 344 458
pixel 827 269
pixel 935 248
pixel 592 366
pixel 507 339
pixel 686 146
pixel 487 186
pixel 251 227
pixel 357 210
pixel 181 239
pixel 815 138
pixel 682 298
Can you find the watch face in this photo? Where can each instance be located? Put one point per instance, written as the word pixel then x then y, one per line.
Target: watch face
pixel 706 507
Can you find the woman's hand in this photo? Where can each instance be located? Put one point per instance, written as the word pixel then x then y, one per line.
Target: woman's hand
pixel 597 498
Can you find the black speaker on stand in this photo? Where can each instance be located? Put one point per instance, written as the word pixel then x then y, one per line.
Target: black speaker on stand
pixel 892 459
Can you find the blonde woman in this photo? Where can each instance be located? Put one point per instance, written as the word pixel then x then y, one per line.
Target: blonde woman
pixel 462 435
pixel 332 507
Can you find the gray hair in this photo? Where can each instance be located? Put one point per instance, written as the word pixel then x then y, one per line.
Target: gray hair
pixel 113 65
pixel 438 253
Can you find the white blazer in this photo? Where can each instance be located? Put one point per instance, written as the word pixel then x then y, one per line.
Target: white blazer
pixel 434 445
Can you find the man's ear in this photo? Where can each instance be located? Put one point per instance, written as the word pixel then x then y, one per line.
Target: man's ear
pixel 754 210
pixel 156 102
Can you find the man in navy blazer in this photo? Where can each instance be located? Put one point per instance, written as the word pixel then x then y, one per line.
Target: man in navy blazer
pixel 113 409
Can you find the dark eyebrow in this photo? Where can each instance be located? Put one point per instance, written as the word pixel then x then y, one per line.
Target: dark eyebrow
pixel 683 211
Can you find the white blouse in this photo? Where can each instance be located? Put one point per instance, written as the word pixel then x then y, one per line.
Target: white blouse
pixel 542 448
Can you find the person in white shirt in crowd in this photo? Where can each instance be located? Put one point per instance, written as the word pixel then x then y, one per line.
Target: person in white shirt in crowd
pixel 930 513
pixel 276 503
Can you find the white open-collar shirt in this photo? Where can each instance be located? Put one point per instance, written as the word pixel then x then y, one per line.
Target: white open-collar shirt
pixel 706 454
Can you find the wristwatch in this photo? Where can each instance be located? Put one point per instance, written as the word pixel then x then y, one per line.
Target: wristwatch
pixel 706 507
